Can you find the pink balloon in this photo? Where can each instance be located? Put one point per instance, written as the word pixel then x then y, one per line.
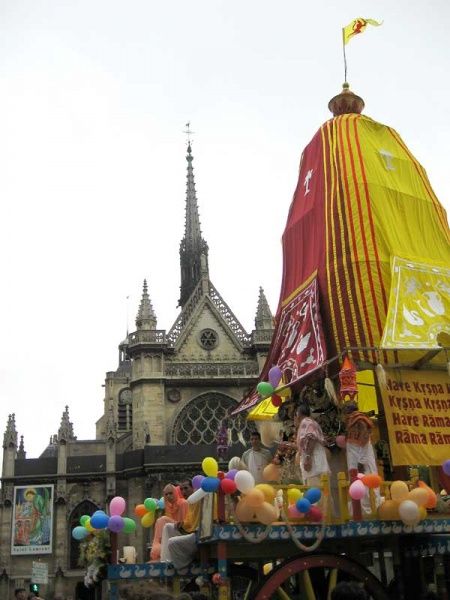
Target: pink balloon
pixel 293 513
pixel 360 475
pixel 357 490
pixel 117 506
pixel 341 441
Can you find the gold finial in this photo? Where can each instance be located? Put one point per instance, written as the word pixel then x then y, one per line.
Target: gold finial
pixel 346 102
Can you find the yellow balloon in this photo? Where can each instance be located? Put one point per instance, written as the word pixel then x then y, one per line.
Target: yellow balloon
pixel 244 512
pixel 388 511
pixel 399 491
pixel 89 526
pixel 267 513
pixel 210 466
pixel 422 512
pixel 419 496
pixel 254 498
pixel 293 495
pixel 148 519
pixel 267 490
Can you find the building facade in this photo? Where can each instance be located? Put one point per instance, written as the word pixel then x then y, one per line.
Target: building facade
pixel 163 406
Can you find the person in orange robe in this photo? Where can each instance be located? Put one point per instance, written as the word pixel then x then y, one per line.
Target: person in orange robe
pixel 175 508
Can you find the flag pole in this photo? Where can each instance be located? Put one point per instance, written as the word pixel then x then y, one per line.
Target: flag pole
pixel 345 58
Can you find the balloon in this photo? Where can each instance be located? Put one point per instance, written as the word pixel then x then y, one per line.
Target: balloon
pixel 357 490
pixel 371 480
pixel 244 512
pixel 79 533
pixel 234 463
pixel 432 498
pixel 422 512
pixel 303 505
pixel 160 504
pixel 272 472
pixel 228 486
pixel 409 511
pixel 140 510
pixel 115 523
pixel 254 498
pixel 210 466
pixel 88 526
pixel 220 474
pixel 419 496
pixel 129 525
pixel 275 376
pixel 244 481
pixel 99 520
pixel 117 506
pixel 315 514
pixel 196 496
pixel 83 519
pixel 150 504
pixel 197 481
pixel 284 393
pixel 399 491
pixel 210 484
pixel 267 513
pixel 264 388
pixel 293 512
pixel 276 400
pixel 341 441
pixel 313 495
pixel 231 474
pixel 267 490
pixel 148 519
pixel 293 494
pixel 446 467
pixel 388 511
pixel 359 475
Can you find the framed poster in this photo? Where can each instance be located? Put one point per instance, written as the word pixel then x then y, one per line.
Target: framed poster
pixel 32 523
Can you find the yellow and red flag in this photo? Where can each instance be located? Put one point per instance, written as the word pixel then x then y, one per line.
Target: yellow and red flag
pixel 357 26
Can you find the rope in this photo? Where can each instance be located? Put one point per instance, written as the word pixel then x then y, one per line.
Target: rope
pixel 253 540
pixel 320 537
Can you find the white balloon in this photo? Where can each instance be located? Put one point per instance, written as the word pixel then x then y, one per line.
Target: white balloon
pixel 409 511
pixel 234 463
pixel 244 481
pixel 196 496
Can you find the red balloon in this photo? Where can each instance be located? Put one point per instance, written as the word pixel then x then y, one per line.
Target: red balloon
pixel 220 474
pixel 276 400
pixel 228 486
pixel 315 514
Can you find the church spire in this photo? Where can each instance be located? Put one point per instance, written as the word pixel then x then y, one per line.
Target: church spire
pixel 10 435
pixel 21 451
pixel 146 318
pixel 65 431
pixel 193 248
pixel 264 318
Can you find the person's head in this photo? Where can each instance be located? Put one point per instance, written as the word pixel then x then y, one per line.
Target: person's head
pixel 255 440
pixel 169 493
pixel 349 408
pixel 348 590
pixel 301 412
pixel 20 594
pixel 186 488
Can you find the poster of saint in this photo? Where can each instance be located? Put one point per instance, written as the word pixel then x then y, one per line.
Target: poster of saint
pixel 32 522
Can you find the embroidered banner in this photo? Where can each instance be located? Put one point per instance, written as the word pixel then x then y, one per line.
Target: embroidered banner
pixel 417 409
pixel 419 305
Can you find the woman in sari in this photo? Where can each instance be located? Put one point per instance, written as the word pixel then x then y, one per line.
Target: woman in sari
pixel 175 508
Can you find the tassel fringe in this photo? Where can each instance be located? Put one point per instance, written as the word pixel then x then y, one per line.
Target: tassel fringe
pixel 329 388
pixel 381 375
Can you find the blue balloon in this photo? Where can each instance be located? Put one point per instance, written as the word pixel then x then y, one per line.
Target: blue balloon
pixel 79 533
pixel 160 504
pixel 313 495
pixel 303 505
pixel 99 520
pixel 210 484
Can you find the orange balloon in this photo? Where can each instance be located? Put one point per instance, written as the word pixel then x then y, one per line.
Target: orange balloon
pixel 244 512
pixel 419 495
pixel 267 490
pixel 399 491
pixel 266 513
pixel 371 480
pixel 254 498
pixel 272 472
pixel 388 511
pixel 140 510
pixel 432 498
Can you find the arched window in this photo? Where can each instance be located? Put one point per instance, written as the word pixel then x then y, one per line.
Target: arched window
pixel 84 508
pixel 199 421
pixel 125 410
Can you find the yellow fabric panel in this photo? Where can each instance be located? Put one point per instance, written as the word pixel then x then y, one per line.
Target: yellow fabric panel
pixel 263 411
pixel 367 395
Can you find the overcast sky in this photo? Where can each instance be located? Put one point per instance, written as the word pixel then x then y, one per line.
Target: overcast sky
pixel 94 96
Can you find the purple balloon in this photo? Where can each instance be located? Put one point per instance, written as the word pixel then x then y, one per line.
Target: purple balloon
pixel 231 474
pixel 275 376
pixel 116 523
pixel 197 481
pixel 446 467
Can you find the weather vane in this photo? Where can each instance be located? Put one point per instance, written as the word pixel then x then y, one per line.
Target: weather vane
pixel 188 132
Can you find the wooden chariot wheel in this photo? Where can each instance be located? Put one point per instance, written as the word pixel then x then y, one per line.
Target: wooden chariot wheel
pixel 314 578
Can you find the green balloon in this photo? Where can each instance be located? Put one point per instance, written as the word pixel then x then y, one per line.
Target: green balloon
pixel 84 519
pixel 129 525
pixel 264 388
pixel 150 504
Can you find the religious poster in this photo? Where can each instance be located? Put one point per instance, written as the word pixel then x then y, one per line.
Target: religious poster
pixel 417 408
pixel 32 522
